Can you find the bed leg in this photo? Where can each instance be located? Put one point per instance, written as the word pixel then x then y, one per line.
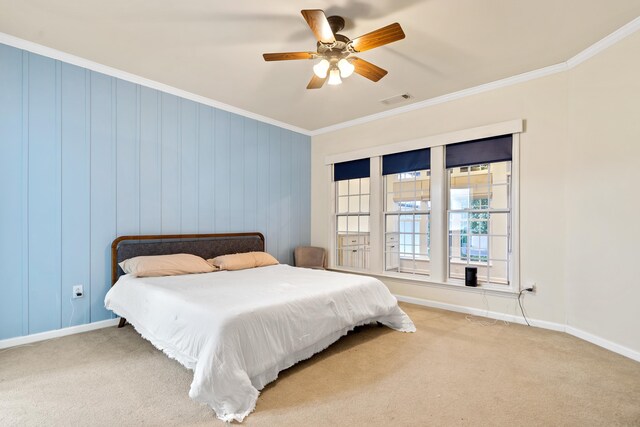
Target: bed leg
pixel 123 322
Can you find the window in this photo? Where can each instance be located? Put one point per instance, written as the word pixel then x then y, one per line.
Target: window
pixel 407 208
pixel 352 189
pixel 479 210
pixel 427 214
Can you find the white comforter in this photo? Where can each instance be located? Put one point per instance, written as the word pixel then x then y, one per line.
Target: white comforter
pixel 237 329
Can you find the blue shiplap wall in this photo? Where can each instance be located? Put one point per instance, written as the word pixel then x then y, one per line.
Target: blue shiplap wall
pixel 85 157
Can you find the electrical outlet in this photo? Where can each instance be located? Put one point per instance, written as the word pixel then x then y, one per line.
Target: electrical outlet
pixel 78 292
pixel 533 286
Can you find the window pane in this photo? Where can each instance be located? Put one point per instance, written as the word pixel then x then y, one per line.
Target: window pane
pixel 459 198
pixel 354 204
pixel 343 188
pixel 364 185
pixel 343 204
pixel 352 224
pixel 364 203
pixel 364 224
pixel 500 197
pixel 499 224
pixel 458 222
pixel 479 192
pixel 392 224
pixel 498 272
pixel 342 224
pixel 422 244
pixel 392 206
pixel 458 179
pixel 500 172
pixel 354 186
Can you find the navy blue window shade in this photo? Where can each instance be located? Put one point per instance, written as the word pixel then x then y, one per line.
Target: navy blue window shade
pixel 406 161
pixel 487 150
pixel 351 170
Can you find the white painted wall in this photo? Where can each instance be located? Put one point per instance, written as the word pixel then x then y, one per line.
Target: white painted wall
pixel 602 195
pixel 570 216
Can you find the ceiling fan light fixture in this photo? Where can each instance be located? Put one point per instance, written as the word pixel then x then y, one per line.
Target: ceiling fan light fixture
pixel 334 77
pixel 346 68
pixel 321 68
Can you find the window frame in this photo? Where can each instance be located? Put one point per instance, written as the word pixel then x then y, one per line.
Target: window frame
pixel 366 246
pixel 426 212
pixel 438 214
pixel 488 211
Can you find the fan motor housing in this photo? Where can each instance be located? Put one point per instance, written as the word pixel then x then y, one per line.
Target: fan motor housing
pixel 336 23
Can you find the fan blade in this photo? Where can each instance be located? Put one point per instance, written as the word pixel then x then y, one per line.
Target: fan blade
pixel 385 35
pixel 367 69
pixel 319 25
pixel 287 56
pixel 316 82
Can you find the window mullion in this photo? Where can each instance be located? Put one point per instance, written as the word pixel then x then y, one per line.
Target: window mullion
pixel 438 194
pixel 376 217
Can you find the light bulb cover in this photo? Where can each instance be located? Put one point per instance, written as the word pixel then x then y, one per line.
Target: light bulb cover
pixel 321 68
pixel 346 68
pixel 334 77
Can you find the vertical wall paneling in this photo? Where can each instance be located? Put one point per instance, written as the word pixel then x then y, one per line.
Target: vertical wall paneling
pixel 205 169
pixel 284 234
pixel 150 221
pixel 44 195
pixel 171 206
pixel 25 193
pixel 76 196
pixel 189 166
pixel 85 157
pixel 296 169
pixel 127 151
pixel 236 172
pixel 262 201
pixel 275 135
pixel 103 190
pixel 11 210
pixel 305 176
pixel 221 167
pixel 250 174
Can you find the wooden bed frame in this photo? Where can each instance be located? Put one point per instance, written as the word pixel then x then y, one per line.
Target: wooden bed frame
pixel 204 245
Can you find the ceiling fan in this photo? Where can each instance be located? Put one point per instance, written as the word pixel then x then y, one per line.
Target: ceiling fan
pixel 335 51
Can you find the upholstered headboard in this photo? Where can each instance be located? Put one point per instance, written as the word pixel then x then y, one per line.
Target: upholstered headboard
pixel 204 245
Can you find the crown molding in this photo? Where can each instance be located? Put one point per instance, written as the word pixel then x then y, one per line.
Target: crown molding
pixel 576 60
pixel 520 78
pixel 142 81
pixel 603 44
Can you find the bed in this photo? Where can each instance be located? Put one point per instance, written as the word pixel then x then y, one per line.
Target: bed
pixel 237 329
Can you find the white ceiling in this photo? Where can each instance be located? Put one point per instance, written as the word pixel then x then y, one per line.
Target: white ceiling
pixel 214 48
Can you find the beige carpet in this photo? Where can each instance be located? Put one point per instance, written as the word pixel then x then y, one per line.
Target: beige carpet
pixel 451 372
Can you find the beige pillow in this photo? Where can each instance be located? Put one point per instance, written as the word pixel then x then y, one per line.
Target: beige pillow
pixel 242 261
pixel 264 259
pixel 165 265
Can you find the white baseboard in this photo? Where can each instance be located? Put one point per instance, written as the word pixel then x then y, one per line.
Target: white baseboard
pixel 601 342
pixel 593 339
pixel 28 339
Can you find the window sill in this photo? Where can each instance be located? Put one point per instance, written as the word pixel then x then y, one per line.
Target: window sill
pixel 471 263
pixel 423 280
